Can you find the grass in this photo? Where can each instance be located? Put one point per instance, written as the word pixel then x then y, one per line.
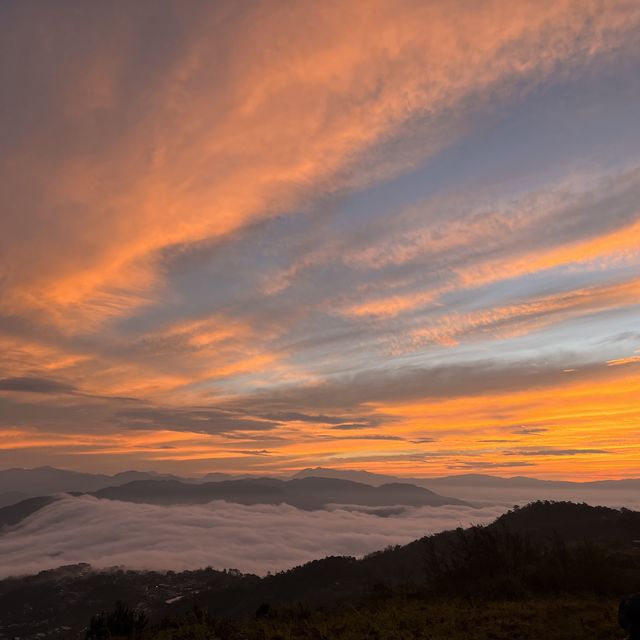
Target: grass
pixel 412 618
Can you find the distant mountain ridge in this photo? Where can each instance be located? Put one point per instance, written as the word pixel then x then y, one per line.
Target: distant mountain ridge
pixel 463 479
pixel 18 484
pixel 304 493
pixel 480 488
pixel 16 513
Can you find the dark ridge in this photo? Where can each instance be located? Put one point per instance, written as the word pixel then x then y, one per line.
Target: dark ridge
pixel 573 522
pixel 15 513
pixel 308 493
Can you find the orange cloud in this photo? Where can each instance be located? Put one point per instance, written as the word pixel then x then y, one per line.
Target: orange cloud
pixel 617 247
pixel 489 247
pixel 153 139
pixel 531 315
pixel 593 415
pixel 621 361
pixel 389 306
pixel 211 146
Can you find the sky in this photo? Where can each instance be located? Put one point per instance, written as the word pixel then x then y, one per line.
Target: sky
pixel 254 237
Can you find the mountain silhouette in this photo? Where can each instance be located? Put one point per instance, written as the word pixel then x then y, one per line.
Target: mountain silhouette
pixel 305 493
pixel 17 484
pixel 483 488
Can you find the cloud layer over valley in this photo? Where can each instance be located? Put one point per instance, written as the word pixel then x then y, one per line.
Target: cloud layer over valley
pixel 256 539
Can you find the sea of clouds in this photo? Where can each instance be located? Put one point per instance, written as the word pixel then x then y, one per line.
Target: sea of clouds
pixel 257 538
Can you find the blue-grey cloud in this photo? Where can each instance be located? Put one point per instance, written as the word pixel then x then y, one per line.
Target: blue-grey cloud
pixel 555 451
pixel 199 420
pixel 29 384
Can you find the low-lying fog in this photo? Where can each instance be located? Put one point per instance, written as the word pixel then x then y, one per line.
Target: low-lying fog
pixel 615 497
pixel 257 539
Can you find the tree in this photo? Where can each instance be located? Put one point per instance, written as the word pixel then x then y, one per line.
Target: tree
pixel 122 622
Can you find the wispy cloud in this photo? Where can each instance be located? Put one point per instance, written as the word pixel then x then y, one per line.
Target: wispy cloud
pixel 551 451
pixel 266 237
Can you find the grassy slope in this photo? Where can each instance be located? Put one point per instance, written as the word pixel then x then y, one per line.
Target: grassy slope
pixel 412 617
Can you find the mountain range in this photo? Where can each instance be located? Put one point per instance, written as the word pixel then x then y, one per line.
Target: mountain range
pixel 308 493
pixel 304 493
pixel 19 484
pixel 488 489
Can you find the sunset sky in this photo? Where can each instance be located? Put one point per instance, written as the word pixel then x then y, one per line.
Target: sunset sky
pixel 370 234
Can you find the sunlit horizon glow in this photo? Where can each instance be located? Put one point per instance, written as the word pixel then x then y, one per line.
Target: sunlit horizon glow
pixel 255 237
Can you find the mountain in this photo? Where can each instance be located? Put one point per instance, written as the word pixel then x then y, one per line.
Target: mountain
pixel 521 490
pixel 574 522
pixel 15 513
pixel 374 479
pixel 304 493
pixel 17 484
pixel 466 479
pixel 524 481
pixel 217 476
pixel 366 477
pixel 494 489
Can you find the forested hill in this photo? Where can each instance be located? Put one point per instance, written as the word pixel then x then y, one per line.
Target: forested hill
pixel 573 521
pixel 560 543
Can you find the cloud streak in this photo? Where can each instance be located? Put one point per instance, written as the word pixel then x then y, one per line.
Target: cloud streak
pixel 35 385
